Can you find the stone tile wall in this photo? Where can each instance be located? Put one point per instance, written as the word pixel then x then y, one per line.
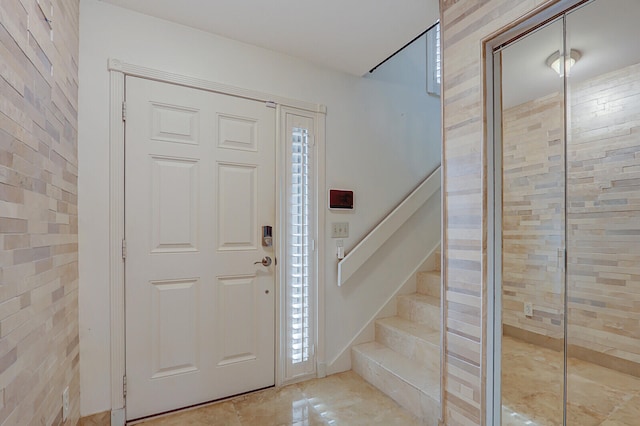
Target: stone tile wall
pixel 603 225
pixel 38 211
pixel 603 219
pixel 464 25
pixel 533 224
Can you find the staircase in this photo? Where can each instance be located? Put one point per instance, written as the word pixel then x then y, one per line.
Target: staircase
pixel 404 360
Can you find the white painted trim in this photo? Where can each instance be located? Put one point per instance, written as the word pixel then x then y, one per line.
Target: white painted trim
pixel 433 87
pixel 118 70
pixel 197 83
pixel 118 417
pixel 403 282
pixel 320 205
pixel 116 234
pixel 389 225
pixel 280 235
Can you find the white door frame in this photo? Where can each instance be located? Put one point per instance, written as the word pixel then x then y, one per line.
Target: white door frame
pixel 118 70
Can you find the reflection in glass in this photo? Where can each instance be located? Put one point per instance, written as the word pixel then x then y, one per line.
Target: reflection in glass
pixel 571 337
pixel 532 231
pixel 603 215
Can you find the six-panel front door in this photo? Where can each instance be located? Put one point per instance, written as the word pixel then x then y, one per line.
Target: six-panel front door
pixel 199 185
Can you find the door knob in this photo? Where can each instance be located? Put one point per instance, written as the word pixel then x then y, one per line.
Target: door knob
pixel 266 261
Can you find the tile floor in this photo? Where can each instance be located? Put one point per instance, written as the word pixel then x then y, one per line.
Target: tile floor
pixel 532 395
pixel 341 399
pixel 532 390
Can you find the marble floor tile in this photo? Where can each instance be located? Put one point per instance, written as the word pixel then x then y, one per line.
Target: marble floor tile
pixel 532 390
pixel 98 419
pixel 223 413
pixel 626 414
pixel 532 396
pixel 340 399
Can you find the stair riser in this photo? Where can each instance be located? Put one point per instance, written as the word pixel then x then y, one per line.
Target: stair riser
pixel 431 411
pixel 410 346
pixel 415 401
pixel 423 313
pixel 401 392
pixel 429 284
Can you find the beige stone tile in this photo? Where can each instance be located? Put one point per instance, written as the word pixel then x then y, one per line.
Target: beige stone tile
pixel 626 414
pixel 431 410
pixel 531 383
pixel 532 389
pixel 347 399
pixel 603 375
pixel 286 405
pixel 511 417
pixel 98 419
pixel 337 390
pixel 341 399
pixel 222 413
pixel 587 398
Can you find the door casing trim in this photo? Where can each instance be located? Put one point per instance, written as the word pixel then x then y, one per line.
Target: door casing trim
pixel 118 70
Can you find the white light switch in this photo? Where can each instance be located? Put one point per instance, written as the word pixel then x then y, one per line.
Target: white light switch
pixel 340 230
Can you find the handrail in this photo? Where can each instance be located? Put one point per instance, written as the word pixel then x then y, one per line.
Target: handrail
pixel 387 227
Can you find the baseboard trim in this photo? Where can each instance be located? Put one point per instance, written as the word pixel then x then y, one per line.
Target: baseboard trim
pixel 604 360
pixel 574 351
pixel 537 339
pixel 118 417
pixel 97 419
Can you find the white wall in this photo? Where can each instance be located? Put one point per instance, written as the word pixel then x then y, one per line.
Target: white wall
pixel 382 139
pixel 381 277
pixel 404 148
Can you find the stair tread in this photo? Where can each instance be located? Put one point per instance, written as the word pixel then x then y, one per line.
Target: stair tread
pixel 422 298
pixel 407 370
pixel 434 273
pixel 418 330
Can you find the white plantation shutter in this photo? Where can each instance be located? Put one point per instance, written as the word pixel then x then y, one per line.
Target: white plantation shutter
pixel 438 56
pixel 434 60
pixel 299 262
pixel 299 246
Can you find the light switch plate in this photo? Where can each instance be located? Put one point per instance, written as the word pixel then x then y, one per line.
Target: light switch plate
pixel 340 230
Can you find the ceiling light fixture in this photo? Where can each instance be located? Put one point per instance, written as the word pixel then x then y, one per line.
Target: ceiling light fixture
pixel 553 61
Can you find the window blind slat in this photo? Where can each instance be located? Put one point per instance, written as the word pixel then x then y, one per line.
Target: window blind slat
pixel 299 260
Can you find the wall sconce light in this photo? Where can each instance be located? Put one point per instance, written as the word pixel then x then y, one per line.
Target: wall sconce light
pixel 553 61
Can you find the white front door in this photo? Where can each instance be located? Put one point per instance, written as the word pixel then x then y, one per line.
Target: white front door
pixel 199 186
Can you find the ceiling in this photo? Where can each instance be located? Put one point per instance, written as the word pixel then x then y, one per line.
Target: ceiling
pixel 606 37
pixel 351 36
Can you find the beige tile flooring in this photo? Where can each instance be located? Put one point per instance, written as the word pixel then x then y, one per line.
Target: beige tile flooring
pixel 532 395
pixel 340 399
pixel 532 390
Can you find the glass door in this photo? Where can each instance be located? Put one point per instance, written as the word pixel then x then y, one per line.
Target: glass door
pixel 533 228
pixel 567 143
pixel 603 214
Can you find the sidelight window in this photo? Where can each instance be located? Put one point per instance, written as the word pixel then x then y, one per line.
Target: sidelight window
pixel 300 248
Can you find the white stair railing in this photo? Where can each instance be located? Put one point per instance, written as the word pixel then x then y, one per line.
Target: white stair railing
pixel 389 225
